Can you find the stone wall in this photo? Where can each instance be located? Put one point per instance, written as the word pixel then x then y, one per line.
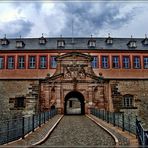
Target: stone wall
pixel 10 89
pixel 139 90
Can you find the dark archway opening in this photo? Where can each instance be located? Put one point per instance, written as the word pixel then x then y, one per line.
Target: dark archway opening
pixel 74 104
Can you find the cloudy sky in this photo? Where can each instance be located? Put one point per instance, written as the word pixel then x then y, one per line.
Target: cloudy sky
pixel 31 19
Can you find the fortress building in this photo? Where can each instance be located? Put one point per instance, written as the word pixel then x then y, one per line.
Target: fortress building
pixel 37 74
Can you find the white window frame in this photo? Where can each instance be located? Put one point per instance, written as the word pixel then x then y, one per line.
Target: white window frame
pixel 32 62
pixel 132 44
pixel 105 62
pixel 21 62
pixel 19 44
pixel 53 62
pixel 136 62
pixel 60 43
pixel 10 61
pixel 115 62
pixel 126 63
pixel 145 62
pixel 1 62
pixel 92 44
pixel 128 101
pixel 94 63
pixel 43 62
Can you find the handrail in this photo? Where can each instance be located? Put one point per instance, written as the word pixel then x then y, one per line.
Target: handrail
pixel 17 128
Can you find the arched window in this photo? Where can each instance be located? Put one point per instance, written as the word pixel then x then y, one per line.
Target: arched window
pixel 128 101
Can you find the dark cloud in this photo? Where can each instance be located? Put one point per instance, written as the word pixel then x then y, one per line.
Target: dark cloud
pixel 90 18
pixel 16 28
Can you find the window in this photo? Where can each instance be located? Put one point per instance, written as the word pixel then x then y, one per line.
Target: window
pixel 132 44
pixel 32 62
pixel 4 41
pixel 43 62
pixel 21 62
pixel 128 101
pixel 42 41
pixel 19 102
pixel 109 40
pixel 92 43
pixel 94 63
pixel 105 62
pixel 136 62
pixel 145 41
pixel 145 62
pixel 1 62
pixel 61 43
pixel 115 62
pixel 53 62
pixel 10 62
pixel 20 44
pixel 126 62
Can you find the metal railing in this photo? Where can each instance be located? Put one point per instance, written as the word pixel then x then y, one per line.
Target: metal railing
pixel 126 122
pixel 14 129
pixel 142 134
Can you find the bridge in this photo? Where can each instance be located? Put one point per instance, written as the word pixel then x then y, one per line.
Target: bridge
pixel 99 128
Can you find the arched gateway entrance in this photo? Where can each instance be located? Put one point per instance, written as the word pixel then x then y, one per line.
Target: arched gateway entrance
pixel 73 75
pixel 74 103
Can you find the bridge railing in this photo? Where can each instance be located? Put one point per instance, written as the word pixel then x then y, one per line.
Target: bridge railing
pixel 142 134
pixel 14 129
pixel 126 122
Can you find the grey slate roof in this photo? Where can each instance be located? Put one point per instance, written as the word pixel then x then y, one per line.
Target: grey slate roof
pixel 79 43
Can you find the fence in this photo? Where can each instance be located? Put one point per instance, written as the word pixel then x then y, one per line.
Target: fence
pixel 141 134
pixel 17 128
pixel 126 122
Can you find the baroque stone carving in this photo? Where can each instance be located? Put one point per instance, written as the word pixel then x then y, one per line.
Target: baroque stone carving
pixel 74 71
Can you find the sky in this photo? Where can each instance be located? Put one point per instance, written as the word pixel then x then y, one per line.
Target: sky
pixel 73 18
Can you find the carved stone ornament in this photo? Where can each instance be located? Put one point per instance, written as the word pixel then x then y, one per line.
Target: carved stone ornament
pixel 74 71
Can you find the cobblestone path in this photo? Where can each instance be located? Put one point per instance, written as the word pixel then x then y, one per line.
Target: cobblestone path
pixel 79 131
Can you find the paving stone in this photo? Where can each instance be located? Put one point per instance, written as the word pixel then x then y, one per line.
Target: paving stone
pixel 79 131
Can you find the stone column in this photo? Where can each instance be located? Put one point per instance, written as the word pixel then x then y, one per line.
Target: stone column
pixel 58 99
pixel 47 103
pixel 90 103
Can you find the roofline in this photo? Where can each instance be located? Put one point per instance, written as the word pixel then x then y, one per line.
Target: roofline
pixel 70 37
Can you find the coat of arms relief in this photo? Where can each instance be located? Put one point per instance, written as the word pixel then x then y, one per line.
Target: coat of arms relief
pixel 74 71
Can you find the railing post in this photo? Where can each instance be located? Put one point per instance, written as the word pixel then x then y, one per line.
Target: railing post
pixel 107 116
pixel 8 131
pixel 123 128
pixel 129 123
pixel 44 117
pixel 40 119
pixel 114 118
pixel 99 113
pixel 33 123
pixel 143 137
pixel 23 127
pixel 50 114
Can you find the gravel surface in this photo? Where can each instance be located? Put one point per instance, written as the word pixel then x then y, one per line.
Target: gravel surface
pixel 79 131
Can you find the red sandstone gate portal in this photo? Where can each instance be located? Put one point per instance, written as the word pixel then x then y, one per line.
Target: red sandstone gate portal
pixel 74 103
pixel 74 87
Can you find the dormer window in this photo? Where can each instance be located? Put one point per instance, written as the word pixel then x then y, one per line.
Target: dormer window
pixel 42 40
pixel 132 43
pixel 60 43
pixel 4 41
pixel 145 41
pixel 20 44
pixel 92 43
pixel 109 40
